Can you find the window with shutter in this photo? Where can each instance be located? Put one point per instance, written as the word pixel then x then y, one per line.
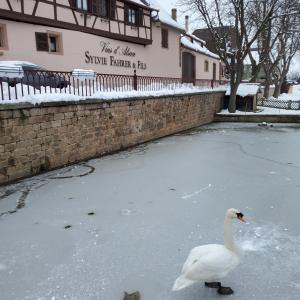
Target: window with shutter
pixel 41 39
pixel 164 38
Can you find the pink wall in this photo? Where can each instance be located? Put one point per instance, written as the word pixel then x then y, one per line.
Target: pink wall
pixel 22 46
pixel 80 49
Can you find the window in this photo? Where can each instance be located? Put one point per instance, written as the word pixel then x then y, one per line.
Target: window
pixel 82 4
pixel 53 44
pixel 3 37
pixel 132 16
pixel 206 66
pixel 164 38
pixel 49 42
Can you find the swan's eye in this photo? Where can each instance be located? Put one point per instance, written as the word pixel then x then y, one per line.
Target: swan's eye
pixel 239 215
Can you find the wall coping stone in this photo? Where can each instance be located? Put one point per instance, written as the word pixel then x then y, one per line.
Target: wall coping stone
pixel 258 118
pixel 24 105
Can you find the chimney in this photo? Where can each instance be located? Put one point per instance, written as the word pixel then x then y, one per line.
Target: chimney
pixel 174 14
pixel 187 23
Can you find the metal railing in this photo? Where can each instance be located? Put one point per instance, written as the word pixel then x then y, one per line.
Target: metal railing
pixel 282 104
pixel 51 82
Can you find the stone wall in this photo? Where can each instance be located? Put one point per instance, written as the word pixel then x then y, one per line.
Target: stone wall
pixel 34 139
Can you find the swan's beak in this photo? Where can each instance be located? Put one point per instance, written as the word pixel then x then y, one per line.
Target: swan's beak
pixel 242 219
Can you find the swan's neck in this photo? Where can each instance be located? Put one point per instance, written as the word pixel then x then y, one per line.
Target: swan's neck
pixel 228 236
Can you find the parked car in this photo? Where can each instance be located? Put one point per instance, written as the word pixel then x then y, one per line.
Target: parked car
pixel 35 75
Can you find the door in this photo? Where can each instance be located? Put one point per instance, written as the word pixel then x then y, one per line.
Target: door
pixel 188 68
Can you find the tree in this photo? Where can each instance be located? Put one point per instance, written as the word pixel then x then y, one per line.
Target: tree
pixel 236 15
pixel 288 42
pixel 278 41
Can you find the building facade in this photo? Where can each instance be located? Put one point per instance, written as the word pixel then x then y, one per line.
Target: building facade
pixel 107 36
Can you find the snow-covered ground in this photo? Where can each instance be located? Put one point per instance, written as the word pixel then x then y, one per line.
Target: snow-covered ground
pixel 127 221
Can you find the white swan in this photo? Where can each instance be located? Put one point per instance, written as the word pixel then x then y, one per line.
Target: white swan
pixel 210 263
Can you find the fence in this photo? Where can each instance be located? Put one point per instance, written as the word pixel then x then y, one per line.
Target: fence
pixel 36 82
pixel 274 103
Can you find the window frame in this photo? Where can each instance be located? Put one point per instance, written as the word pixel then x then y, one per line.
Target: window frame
pixel 58 37
pixel 3 37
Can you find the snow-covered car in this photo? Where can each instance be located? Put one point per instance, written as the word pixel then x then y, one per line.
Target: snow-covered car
pixel 34 75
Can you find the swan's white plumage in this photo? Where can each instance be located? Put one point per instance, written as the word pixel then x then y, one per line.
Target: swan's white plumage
pixel 209 262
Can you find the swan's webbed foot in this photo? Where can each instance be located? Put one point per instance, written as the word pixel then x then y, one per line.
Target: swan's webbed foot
pixel 222 290
pixel 213 285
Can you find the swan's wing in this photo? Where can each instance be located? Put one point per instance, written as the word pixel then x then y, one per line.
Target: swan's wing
pixel 197 253
pixel 213 264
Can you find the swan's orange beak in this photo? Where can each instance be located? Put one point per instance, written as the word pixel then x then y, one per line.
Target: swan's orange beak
pixel 242 219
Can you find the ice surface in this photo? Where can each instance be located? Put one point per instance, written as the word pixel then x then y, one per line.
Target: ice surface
pixel 141 229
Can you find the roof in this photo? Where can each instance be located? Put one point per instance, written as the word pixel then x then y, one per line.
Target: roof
pixel 195 46
pixel 195 38
pixel 142 3
pixel 246 89
pixel 163 16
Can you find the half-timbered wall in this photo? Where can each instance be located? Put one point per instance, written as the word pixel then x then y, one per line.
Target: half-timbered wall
pixel 65 15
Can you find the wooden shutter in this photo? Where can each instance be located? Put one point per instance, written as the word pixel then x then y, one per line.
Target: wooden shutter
pixel 140 17
pixel 126 14
pixel 41 39
pixel 164 38
pixel 113 9
pixel 73 3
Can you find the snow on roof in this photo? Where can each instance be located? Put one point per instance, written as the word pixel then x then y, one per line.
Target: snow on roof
pixel 246 89
pixel 197 47
pixel 196 38
pixel 141 3
pixel 163 16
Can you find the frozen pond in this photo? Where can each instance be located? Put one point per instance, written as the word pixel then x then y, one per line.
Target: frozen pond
pixel 127 221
